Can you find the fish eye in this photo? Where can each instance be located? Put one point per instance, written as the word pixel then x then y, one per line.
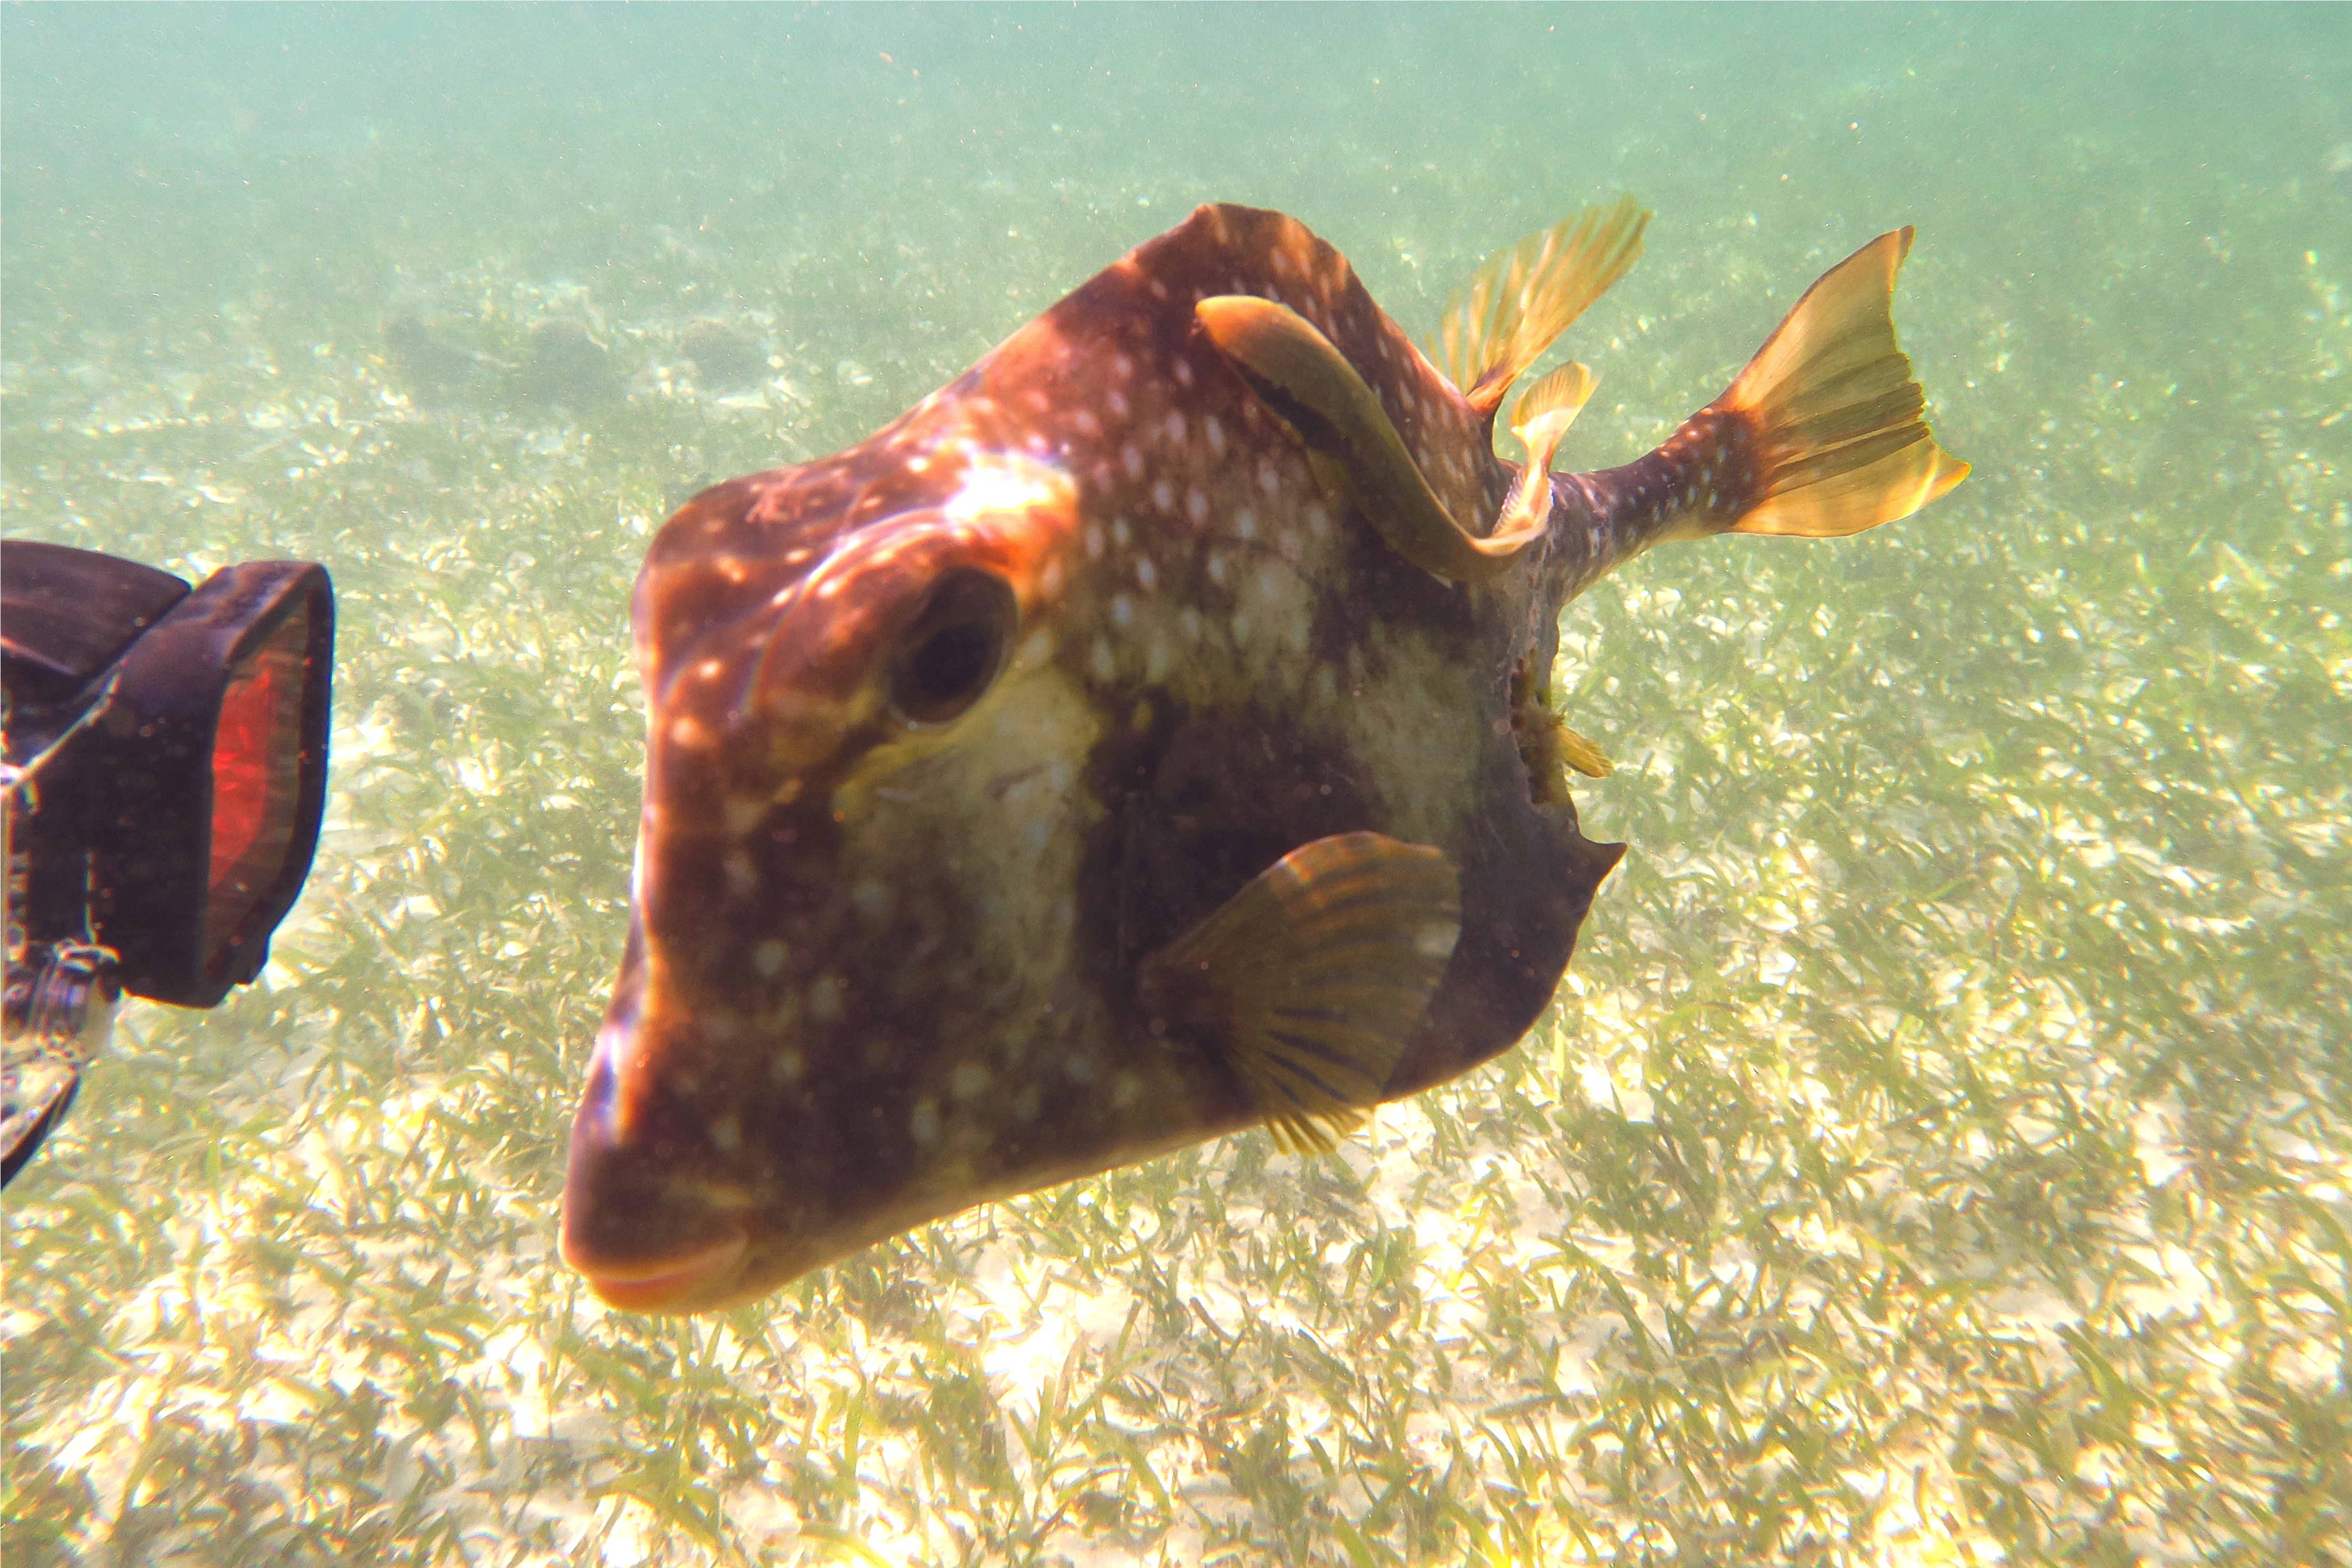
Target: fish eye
pixel 954 649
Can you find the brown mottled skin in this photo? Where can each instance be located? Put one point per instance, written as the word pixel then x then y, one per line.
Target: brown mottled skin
pixel 879 971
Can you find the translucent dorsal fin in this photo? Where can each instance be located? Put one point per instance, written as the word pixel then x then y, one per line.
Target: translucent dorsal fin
pixel 1525 295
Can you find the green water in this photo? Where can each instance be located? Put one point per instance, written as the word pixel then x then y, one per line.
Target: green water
pixel 1940 1153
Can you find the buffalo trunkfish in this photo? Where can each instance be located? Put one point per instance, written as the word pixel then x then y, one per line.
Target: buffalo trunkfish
pixel 1146 736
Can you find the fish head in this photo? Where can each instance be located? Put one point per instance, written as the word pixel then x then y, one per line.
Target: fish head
pixel 848 913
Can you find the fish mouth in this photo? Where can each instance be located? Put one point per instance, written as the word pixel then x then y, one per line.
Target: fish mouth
pixel 681 1282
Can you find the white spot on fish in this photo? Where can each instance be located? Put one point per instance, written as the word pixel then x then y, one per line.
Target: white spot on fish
pixel 1182 370
pixel 923 1123
pixel 742 876
pixel 824 999
pixel 1196 505
pixel 1146 572
pixel 1163 495
pixel 1094 541
pixel 970 1081
pixel 767 959
pixel 872 897
pixel 1176 424
pixel 784 1067
pixel 1245 523
pixel 726 1134
pixel 1119 534
pixel 1130 457
pixel 1101 661
pixel 1217 569
pixel 1216 434
pixel 1122 613
pixel 743 814
pixel 1036 648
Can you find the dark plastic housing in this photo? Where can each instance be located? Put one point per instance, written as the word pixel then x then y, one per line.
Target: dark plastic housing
pixel 177 822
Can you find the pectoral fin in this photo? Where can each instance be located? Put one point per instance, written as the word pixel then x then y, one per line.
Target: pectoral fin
pixel 1309 384
pixel 1308 980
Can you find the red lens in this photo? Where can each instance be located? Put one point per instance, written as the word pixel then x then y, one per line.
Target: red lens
pixel 256 777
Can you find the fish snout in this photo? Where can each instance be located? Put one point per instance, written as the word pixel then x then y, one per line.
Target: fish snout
pixel 651 1220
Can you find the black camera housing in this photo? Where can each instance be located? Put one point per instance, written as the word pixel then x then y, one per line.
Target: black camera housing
pixel 176 743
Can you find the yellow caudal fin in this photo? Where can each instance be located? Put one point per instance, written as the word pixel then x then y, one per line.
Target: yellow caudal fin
pixel 1525 296
pixel 1835 425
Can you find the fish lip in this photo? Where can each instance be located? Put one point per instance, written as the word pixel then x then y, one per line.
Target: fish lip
pixel 681 1282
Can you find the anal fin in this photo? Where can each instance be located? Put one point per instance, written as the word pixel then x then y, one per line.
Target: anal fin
pixel 1540 417
pixel 1308 981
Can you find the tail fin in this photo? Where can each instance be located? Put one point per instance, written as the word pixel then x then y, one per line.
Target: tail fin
pixel 1524 297
pixel 1835 425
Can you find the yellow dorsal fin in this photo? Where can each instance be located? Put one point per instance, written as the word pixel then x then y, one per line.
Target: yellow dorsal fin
pixel 1525 295
pixel 1539 418
pixel 1308 981
pixel 1838 426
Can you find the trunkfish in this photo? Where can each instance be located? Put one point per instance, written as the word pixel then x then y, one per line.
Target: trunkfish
pixel 1147 736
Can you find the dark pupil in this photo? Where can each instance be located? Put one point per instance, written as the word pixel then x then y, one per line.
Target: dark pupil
pixel 954 648
pixel 951 663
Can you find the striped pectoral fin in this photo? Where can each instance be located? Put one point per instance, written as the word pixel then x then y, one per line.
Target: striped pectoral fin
pixel 1297 373
pixel 1831 425
pixel 1308 981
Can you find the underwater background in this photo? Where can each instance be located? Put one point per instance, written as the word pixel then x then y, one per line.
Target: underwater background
pixel 1940 1150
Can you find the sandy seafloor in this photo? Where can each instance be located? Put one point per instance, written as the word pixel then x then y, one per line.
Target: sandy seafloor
pixel 1938 1153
